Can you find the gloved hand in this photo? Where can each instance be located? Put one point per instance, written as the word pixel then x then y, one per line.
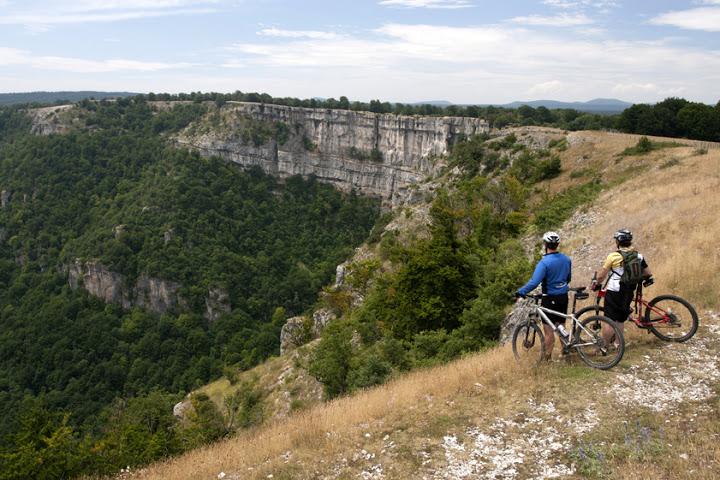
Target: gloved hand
pixel 648 281
pixel 595 286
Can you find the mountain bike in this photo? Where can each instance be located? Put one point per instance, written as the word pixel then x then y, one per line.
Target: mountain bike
pixel 668 317
pixel 586 336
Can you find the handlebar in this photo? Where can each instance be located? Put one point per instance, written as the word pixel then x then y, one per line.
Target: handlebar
pixel 579 293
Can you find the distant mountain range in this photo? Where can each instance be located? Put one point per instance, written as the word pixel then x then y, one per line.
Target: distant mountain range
pixel 54 97
pixel 598 105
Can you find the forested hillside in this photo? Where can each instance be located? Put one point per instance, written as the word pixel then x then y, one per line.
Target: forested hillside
pixel 78 375
pixel 56 97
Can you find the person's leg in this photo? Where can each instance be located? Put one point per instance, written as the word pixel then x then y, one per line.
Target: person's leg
pixel 615 311
pixel 559 304
pixel 549 340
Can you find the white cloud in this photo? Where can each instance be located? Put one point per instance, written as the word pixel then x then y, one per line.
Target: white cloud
pixel 95 5
pixel 576 4
pixel 275 32
pixel 96 11
pixel 44 20
pixel 552 87
pixel 562 20
pixel 406 62
pixel 427 3
pixel 635 90
pixel 17 57
pixel 704 18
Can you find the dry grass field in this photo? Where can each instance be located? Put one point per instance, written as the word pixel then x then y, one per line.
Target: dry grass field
pixel 653 416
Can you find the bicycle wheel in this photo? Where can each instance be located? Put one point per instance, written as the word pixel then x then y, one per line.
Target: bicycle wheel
pixel 671 318
pixel 528 343
pixel 592 347
pixel 596 310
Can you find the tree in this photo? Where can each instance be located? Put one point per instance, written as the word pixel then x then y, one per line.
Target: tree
pixel 699 121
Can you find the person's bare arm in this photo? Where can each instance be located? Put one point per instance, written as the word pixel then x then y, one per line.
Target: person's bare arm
pixel 601 274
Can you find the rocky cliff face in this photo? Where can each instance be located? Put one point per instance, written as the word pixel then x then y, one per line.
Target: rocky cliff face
pixel 49 120
pixel 153 294
pixel 382 155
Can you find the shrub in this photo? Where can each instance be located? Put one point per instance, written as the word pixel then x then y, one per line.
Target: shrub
pixel 330 361
pixel 367 369
pixel 309 145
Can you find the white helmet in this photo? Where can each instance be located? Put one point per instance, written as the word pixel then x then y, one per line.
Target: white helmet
pixel 551 237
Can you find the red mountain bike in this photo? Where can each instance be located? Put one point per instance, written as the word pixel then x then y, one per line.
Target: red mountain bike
pixel 668 317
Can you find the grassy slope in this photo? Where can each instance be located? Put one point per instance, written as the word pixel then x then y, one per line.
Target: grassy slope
pixel 472 418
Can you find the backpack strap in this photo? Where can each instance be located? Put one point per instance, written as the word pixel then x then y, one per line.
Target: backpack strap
pixel 613 270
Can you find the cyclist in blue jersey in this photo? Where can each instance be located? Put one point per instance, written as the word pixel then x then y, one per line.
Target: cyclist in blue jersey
pixel 553 271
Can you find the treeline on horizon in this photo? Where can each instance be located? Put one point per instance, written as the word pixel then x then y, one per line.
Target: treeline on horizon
pixel 673 117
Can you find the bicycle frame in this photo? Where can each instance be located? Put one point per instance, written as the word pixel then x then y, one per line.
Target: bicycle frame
pixel 576 325
pixel 636 315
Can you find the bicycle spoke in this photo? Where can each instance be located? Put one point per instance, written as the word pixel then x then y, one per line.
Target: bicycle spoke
pixel 528 344
pixel 671 318
pixel 592 346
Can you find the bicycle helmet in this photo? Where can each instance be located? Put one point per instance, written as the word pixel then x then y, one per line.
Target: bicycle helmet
pixel 623 235
pixel 551 237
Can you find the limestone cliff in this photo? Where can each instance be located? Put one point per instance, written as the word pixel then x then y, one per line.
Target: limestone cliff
pixel 375 154
pixel 49 120
pixel 153 294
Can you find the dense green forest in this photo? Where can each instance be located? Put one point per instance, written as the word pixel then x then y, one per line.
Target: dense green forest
pixel 89 387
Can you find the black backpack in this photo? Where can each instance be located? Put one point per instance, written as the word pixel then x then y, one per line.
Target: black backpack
pixel 632 268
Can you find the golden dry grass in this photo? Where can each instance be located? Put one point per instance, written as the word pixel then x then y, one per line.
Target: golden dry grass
pixel 314 430
pixel 673 212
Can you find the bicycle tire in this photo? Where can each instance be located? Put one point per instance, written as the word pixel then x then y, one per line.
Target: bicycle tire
pixel 665 300
pixel 522 350
pixel 589 353
pixel 597 310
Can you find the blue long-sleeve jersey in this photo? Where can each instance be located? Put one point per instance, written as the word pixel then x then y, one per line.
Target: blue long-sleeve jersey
pixel 554 270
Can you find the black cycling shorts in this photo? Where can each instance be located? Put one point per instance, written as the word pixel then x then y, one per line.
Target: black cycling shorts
pixel 558 303
pixel 617 304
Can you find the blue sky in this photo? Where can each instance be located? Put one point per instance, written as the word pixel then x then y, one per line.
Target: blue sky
pixel 464 51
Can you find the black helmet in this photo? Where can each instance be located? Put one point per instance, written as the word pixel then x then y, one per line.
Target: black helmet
pixel 623 235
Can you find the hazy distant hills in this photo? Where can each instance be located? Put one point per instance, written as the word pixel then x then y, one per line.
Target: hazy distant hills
pixel 595 106
pixel 598 105
pixel 54 97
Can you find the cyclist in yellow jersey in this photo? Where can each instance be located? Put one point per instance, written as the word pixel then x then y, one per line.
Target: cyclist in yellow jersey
pixel 618 295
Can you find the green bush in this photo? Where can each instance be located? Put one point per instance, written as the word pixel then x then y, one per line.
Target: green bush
pixel 330 362
pixel 367 369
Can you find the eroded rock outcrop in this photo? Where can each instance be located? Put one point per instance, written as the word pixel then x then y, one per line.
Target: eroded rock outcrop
pixel 383 155
pixel 294 333
pixel 47 120
pixel 153 294
pixel 99 282
pixel 217 303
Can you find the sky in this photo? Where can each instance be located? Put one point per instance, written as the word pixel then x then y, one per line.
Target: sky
pixel 463 51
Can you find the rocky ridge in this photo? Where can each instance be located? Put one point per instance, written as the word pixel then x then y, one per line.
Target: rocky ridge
pixel 375 154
